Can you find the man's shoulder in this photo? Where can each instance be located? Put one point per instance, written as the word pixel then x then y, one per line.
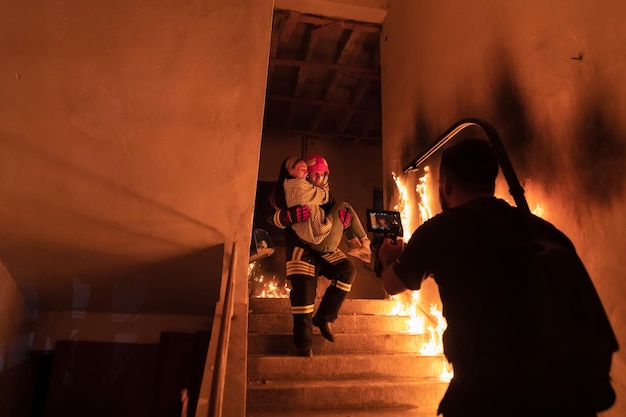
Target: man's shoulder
pixel 497 214
pixel 491 208
pixel 488 207
pixel 489 203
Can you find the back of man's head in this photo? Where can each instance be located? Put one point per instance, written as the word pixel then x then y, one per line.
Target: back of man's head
pixel 472 163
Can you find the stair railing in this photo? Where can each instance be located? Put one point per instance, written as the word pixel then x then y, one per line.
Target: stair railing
pixel 515 189
pixel 216 397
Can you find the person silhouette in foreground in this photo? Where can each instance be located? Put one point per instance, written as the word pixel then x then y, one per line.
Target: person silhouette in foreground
pixel 493 375
pixel 305 263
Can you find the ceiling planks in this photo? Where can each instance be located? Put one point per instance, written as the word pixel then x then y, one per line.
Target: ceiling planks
pixel 323 78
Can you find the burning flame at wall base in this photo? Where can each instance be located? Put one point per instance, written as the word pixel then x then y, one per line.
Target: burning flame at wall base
pixel 408 303
pixel 261 287
pixel 431 323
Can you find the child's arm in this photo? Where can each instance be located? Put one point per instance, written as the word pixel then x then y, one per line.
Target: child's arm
pixel 285 218
pixel 302 192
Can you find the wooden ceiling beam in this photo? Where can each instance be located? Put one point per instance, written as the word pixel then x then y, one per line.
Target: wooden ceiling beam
pixel 319 31
pixel 290 25
pixel 321 113
pixel 322 135
pixel 308 47
pixel 369 73
pixel 318 102
pixel 358 92
pixel 346 73
pixel 303 70
pixel 346 49
pixel 320 21
pixel 343 123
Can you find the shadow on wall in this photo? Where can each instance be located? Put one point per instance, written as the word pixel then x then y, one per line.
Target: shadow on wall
pixel 510 114
pixel 592 159
pixel 188 284
pixel 587 165
pixel 598 154
pixel 89 186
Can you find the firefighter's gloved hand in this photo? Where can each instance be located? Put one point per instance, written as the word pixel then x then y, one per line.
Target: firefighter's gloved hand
pixel 346 218
pixel 389 251
pixel 295 214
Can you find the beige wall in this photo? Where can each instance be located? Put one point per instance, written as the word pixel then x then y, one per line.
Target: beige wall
pixel 123 128
pixel 130 136
pixel 549 77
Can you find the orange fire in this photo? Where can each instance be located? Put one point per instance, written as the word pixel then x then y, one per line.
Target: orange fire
pixel 422 190
pixel 407 303
pixel 261 287
pixel 403 207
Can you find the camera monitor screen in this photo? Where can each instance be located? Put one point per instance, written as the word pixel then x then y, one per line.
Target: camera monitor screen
pixel 384 222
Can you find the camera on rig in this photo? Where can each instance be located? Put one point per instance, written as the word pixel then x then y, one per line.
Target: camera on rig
pixel 382 224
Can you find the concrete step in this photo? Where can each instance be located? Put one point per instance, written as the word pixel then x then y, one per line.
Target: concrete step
pixel 373 369
pixel 357 343
pixel 382 412
pixel 353 323
pixel 342 366
pixel 350 306
pixel 337 394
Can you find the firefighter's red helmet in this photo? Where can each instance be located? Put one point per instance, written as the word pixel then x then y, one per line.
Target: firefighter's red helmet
pixel 315 163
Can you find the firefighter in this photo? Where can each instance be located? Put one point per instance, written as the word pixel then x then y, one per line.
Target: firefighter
pixel 304 265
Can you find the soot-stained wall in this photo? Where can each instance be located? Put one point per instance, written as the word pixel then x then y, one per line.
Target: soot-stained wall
pixel 549 77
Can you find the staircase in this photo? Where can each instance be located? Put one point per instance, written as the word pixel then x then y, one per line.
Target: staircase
pixel 372 369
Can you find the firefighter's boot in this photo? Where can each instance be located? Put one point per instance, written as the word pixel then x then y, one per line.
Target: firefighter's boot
pixel 328 311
